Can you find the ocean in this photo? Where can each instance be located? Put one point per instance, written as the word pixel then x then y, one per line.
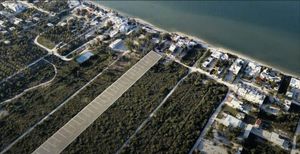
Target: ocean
pixel 267 31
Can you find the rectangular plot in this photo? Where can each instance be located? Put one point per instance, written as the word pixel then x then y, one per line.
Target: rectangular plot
pixel 109 97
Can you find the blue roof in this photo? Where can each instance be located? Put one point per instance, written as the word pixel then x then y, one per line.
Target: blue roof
pixel 84 57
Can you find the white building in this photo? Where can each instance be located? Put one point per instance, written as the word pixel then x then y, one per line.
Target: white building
pixel 270 75
pixel 252 69
pixel 17 21
pixel 234 103
pixel 2 23
pixel 249 93
pixel 236 66
pixel 118 45
pixel 14 6
pixel 295 83
pixel 229 120
pixel 172 48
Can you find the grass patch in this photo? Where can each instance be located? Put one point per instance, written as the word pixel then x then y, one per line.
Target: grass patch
pixel 45 42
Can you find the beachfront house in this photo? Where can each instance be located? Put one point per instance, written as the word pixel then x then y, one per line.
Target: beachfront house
pixel 236 66
pixel 252 70
pixel 293 91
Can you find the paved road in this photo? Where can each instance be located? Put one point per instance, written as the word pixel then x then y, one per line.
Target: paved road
pixel 34 87
pixel 72 129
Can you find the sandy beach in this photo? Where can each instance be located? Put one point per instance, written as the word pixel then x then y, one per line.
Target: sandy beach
pixel 200 40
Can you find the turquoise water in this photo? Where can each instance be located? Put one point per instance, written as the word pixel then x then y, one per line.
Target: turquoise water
pixel 266 31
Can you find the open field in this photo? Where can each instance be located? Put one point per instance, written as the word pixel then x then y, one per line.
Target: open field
pixel 32 106
pixel 178 123
pixel 129 111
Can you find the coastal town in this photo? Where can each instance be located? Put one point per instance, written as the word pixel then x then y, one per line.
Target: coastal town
pixel 75 46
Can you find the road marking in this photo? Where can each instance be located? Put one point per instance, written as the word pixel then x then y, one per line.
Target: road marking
pixel 90 113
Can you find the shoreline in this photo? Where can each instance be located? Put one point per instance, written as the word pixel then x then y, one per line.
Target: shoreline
pixel 202 41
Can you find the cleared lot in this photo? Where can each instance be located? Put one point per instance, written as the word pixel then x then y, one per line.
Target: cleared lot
pixel 64 136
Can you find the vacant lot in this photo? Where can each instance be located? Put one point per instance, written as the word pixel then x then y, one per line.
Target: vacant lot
pixel 17 55
pixel 70 109
pixel 31 107
pixel 39 73
pixel 115 125
pixel 178 124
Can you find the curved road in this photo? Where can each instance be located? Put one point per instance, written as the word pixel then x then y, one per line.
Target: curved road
pixel 34 87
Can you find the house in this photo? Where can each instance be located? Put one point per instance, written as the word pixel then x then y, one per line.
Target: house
pixel 279 140
pixel 124 28
pixel 6 42
pixel 12 28
pixel 272 137
pixel 270 75
pixel 235 103
pixel 17 21
pixel 229 120
pixel 113 33
pixel 50 25
pixel 294 90
pixel 118 45
pixel 236 66
pixel 84 57
pixel 207 62
pixel 252 69
pixel 36 18
pixel 2 23
pixel 172 48
pixel 295 83
pixel 250 93
pixel 14 6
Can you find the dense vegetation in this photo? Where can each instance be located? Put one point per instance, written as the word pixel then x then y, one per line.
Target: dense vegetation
pixel 17 55
pixel 280 121
pixel 70 109
pixel 116 124
pixel 21 50
pixel 39 73
pixel 31 107
pixel 67 33
pixel 178 124
pixel 193 55
pixel 52 6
